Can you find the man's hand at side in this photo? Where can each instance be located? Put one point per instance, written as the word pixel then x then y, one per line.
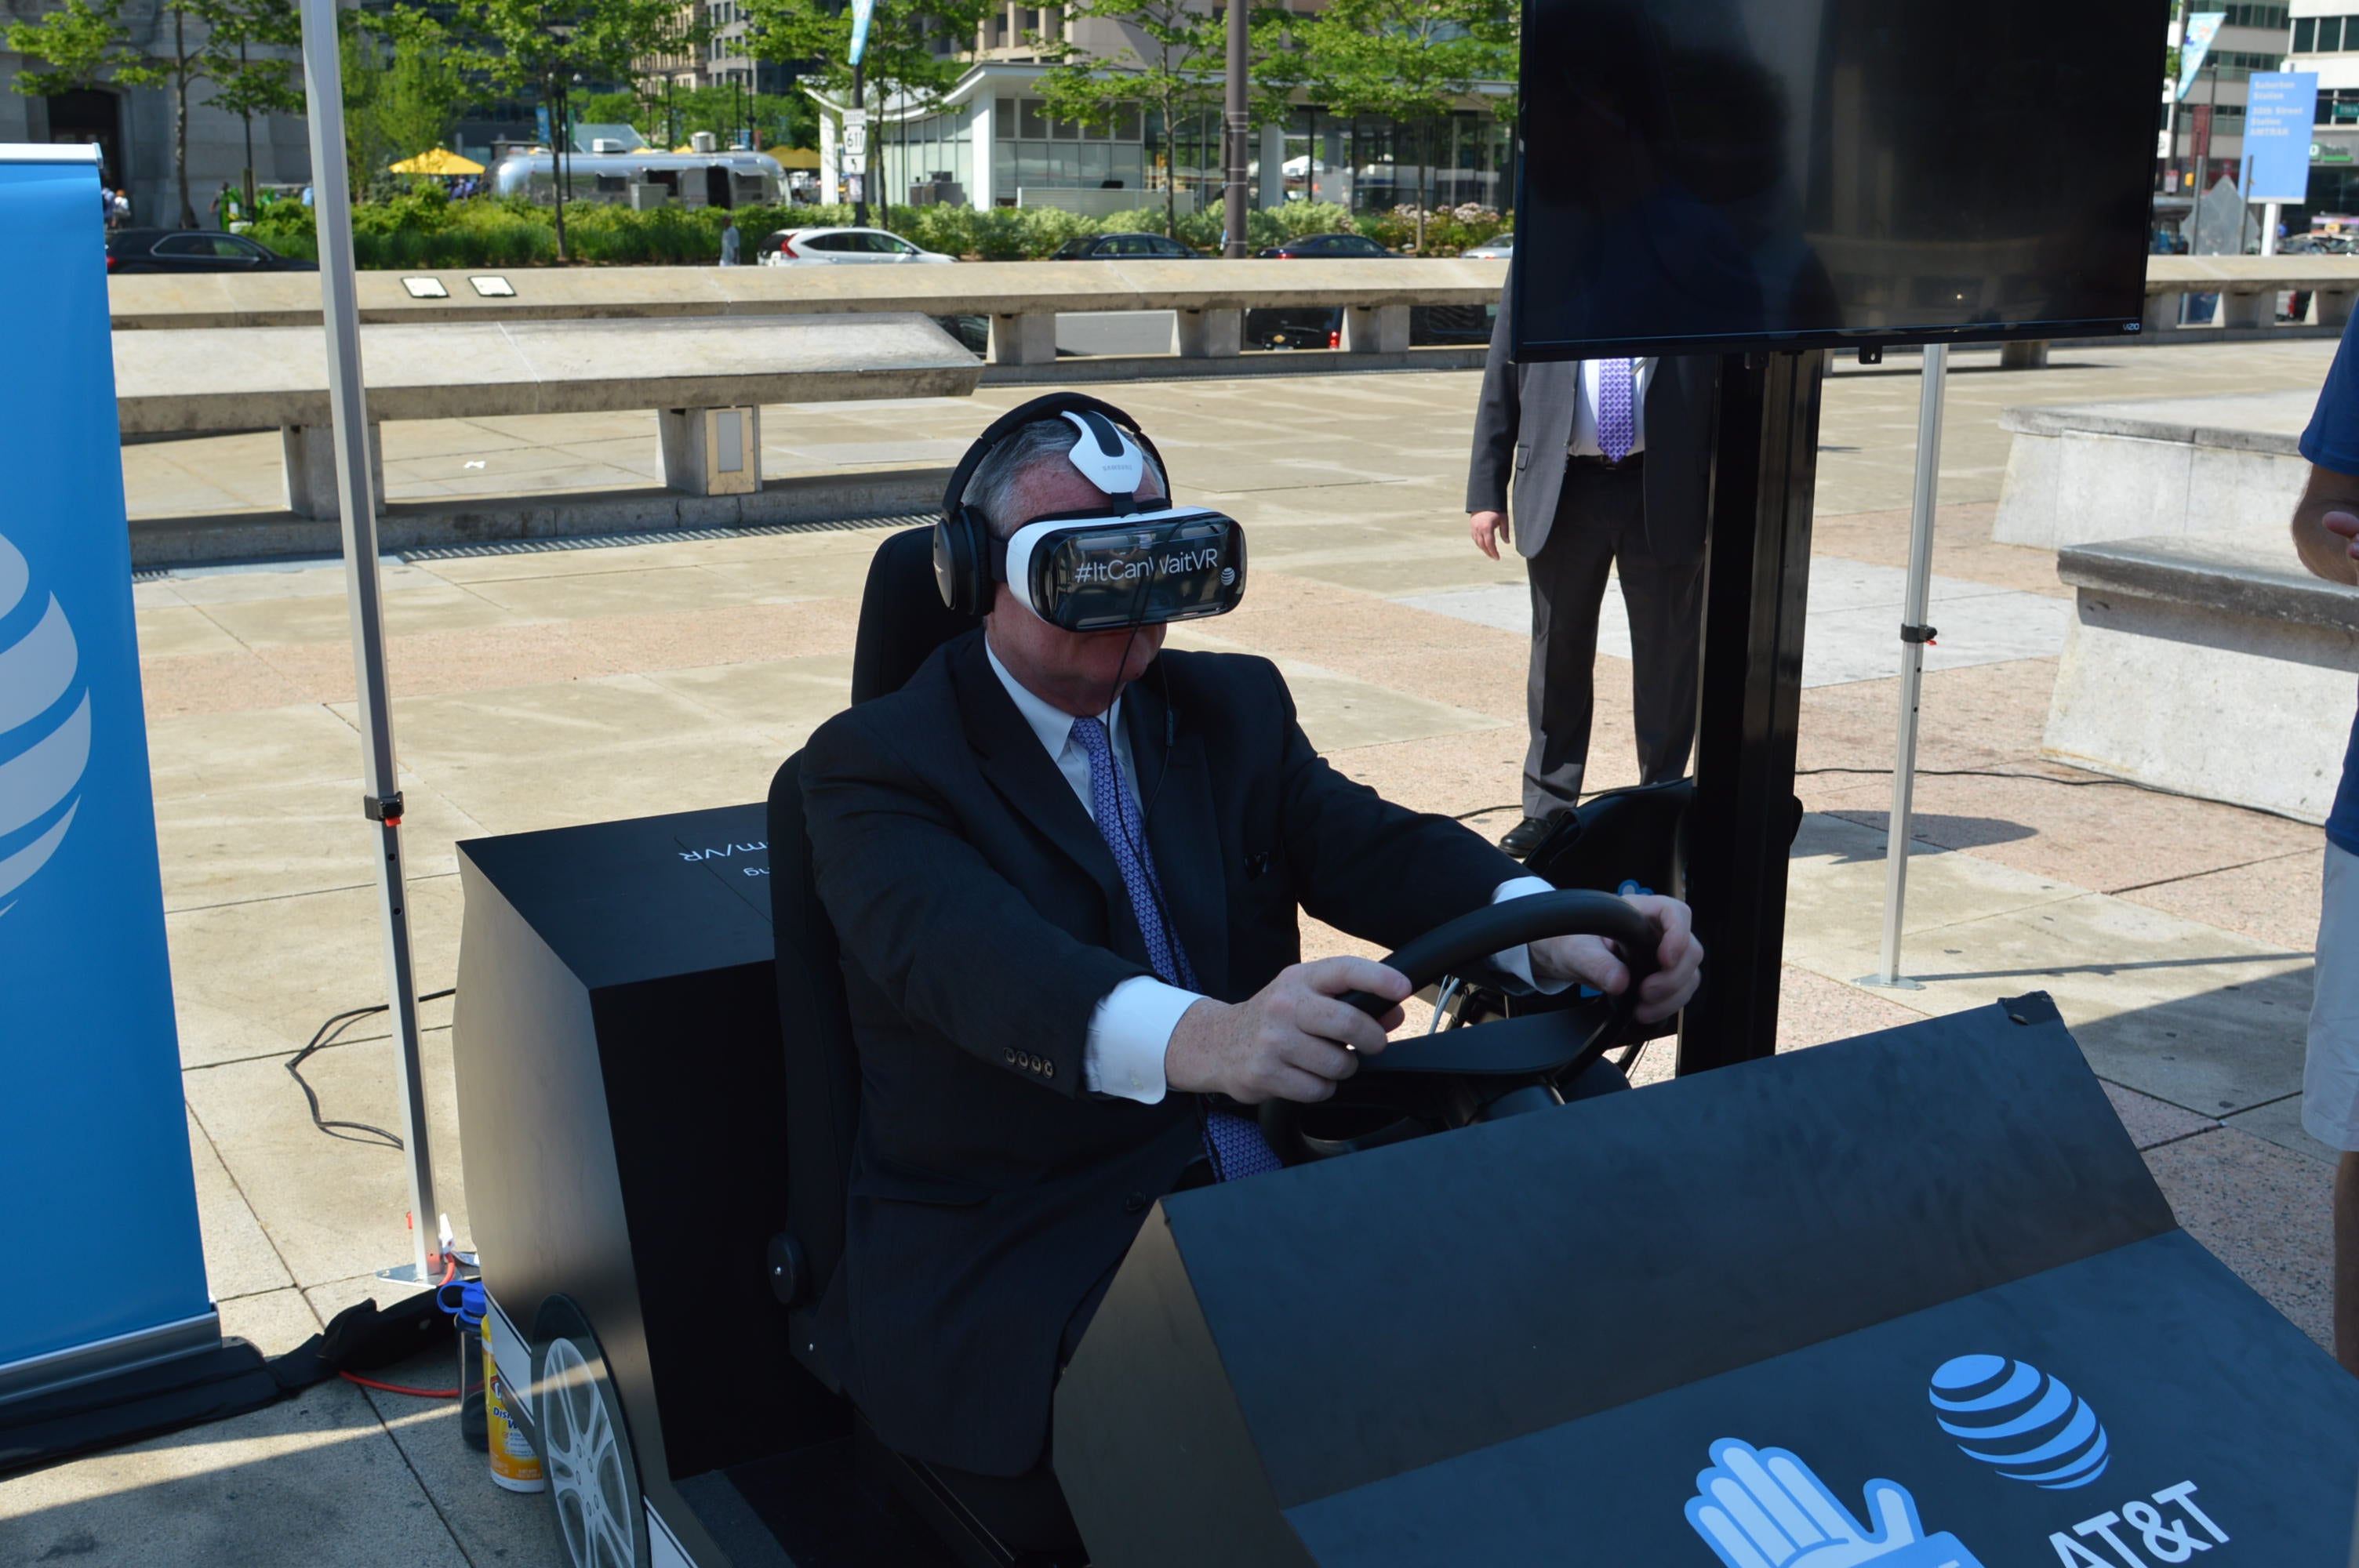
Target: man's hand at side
pixel 1678 958
pixel 1285 1042
pixel 2326 526
pixel 1489 530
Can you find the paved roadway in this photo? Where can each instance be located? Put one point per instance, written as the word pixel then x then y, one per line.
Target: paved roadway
pixel 574 685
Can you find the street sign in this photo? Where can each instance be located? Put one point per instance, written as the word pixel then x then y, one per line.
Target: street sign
pixel 2279 115
pixel 855 132
pixel 2201 28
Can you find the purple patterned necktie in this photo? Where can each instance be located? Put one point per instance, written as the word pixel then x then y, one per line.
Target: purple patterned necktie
pixel 1617 411
pixel 1235 1144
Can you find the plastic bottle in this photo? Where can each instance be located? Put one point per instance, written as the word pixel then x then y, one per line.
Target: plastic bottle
pixel 474 1428
pixel 513 1463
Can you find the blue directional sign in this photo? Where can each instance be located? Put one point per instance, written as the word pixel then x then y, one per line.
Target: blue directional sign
pixel 2279 123
pixel 93 1141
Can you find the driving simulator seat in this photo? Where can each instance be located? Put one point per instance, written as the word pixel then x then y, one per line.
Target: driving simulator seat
pixel 1630 835
pixel 902 621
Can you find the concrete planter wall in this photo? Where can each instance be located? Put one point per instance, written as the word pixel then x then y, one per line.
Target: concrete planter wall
pixel 2167 468
pixel 2213 666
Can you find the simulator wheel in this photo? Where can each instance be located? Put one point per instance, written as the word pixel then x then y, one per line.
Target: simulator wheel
pixel 593 1475
pixel 1478 1072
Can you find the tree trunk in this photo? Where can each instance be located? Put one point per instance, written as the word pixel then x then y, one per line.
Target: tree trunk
pixel 1424 167
pixel 557 142
pixel 181 115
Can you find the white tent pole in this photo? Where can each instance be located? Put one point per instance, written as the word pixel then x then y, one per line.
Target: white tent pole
pixel 332 217
pixel 1914 634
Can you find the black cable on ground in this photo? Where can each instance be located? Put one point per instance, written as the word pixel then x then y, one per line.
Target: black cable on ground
pixel 327 1037
pixel 1990 773
pixel 1921 772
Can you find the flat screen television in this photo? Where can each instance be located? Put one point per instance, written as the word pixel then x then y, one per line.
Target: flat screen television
pixel 1701 176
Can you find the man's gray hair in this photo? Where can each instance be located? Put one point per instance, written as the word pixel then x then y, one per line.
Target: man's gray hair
pixel 993 490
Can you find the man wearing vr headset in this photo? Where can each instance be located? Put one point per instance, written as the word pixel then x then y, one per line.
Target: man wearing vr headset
pixel 1066 897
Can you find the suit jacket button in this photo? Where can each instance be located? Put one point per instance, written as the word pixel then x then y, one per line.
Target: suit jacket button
pixel 1134 1202
pixel 1050 1068
pixel 1011 1057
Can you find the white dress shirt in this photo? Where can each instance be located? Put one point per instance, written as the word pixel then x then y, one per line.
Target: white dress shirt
pixel 1584 408
pixel 1131 1028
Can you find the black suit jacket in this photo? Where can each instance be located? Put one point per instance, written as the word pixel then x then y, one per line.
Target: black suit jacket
pixel 982 920
pixel 1524 424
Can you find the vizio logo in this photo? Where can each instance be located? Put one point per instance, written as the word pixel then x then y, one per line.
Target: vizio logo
pixel 44 736
pixel 2012 1415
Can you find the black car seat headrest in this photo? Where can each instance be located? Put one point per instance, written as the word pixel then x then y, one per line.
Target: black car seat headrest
pixel 902 617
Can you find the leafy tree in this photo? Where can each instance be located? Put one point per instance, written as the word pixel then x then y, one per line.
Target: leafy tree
pixel 544 46
pixel 252 53
pixel 1173 59
pixel 1414 60
pixel 405 84
pixel 667 116
pixel 86 42
pixel 912 54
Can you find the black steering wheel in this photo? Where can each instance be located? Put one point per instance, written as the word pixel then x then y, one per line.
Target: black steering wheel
pixel 1429 1083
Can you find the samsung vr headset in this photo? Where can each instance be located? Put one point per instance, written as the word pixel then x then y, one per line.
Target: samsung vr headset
pixel 1101 569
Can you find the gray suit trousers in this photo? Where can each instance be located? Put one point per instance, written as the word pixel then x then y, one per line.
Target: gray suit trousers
pixel 1601 522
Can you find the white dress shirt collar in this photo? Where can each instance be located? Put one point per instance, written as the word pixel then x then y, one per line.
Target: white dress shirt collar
pixel 1052 724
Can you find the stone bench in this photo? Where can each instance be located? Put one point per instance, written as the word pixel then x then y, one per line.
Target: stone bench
pixel 706 378
pixel 1022 300
pixel 2211 665
pixel 2248 289
pixel 2078 473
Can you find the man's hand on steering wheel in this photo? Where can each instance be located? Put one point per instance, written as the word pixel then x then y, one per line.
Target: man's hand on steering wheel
pixel 1282 1042
pixel 1593 961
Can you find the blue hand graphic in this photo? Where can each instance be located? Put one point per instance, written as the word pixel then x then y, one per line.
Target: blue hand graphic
pixel 1765 1508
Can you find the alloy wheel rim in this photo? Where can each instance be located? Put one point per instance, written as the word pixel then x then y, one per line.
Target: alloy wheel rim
pixel 586 1477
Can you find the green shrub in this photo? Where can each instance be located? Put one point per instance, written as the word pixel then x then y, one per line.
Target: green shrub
pixel 1448 229
pixel 423 228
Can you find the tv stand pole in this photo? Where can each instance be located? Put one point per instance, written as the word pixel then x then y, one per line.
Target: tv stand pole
pixel 1756 588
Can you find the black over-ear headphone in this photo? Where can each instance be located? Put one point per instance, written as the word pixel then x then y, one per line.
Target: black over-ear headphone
pixel 962 541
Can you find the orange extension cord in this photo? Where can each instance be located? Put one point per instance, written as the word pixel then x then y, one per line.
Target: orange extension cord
pixel 449 1273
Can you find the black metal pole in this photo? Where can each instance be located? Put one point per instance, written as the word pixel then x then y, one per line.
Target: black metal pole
pixel 1756 588
pixel 1235 124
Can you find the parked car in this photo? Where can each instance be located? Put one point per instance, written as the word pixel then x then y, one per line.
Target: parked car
pixel 1499 247
pixel 813 247
pixel 1112 247
pixel 1325 246
pixel 194 249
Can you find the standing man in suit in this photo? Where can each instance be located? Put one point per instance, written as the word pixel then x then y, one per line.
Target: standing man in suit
pixel 1066 900
pixel 1600 463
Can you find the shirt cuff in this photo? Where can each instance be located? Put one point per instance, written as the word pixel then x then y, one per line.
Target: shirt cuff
pixel 1515 963
pixel 1128 1035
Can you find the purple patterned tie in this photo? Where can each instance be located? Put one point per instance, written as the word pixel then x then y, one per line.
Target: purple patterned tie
pixel 1617 415
pixel 1235 1144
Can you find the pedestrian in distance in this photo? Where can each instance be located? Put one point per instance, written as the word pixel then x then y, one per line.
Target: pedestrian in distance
pixel 122 208
pixel 729 242
pixel 1599 464
pixel 2326 534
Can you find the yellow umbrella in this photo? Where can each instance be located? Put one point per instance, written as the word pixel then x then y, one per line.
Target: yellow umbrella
pixel 439 161
pixel 796 157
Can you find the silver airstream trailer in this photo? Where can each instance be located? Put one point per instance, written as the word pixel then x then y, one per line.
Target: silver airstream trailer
pixel 692 179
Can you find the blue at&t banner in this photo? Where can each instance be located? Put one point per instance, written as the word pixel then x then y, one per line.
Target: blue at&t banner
pixel 94 1144
pixel 2279 118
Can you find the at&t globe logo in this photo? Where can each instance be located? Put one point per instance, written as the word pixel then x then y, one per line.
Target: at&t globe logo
pixel 44 734
pixel 2012 1415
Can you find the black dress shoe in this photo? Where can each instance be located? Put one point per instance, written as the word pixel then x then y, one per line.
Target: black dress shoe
pixel 1525 836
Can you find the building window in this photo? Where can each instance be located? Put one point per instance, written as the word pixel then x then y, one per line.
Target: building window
pixel 2338 106
pixel 2254 15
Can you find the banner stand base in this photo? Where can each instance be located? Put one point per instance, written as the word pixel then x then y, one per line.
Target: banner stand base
pixel 228 1378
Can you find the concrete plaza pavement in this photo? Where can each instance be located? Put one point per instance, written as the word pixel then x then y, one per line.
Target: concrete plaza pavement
pixel 550 687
